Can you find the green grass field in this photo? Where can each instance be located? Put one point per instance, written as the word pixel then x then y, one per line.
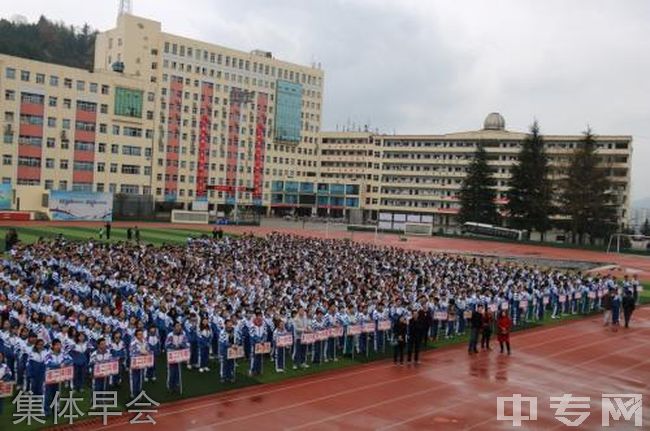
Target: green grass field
pixel 195 383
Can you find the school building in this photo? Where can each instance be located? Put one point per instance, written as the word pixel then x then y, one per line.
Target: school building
pixel 187 122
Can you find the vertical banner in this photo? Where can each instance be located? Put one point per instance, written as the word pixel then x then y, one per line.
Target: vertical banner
pixel 260 148
pixel 233 142
pixel 205 126
pixel 175 102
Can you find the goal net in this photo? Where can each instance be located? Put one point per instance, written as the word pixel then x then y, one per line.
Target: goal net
pixel 195 217
pixel 421 229
pixel 622 241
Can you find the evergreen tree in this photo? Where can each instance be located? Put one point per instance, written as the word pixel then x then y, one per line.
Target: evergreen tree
pixel 645 229
pixel 585 196
pixel 477 193
pixel 530 192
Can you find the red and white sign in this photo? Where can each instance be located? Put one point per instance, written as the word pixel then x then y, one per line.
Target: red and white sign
pixel 336 331
pixel 354 329
pixel 142 361
pixel 235 352
pixel 284 340
pixel 322 335
pixel 384 325
pixel 368 327
pixel 308 338
pixel 262 348
pixel 178 356
pixel 467 314
pixel 523 304
pixel 562 299
pixel 600 293
pixel 545 300
pixel 591 295
pixel 576 295
pixel 105 369
pixel 440 315
pixel 6 389
pixel 492 307
pixel 59 375
pixel 505 305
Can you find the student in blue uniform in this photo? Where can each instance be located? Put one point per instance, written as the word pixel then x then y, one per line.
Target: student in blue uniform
pixel 192 332
pixel 79 355
pixel 153 341
pixel 280 352
pixel 5 376
pixel 204 340
pixel 176 340
pixel 36 368
pixel 257 335
pixel 616 309
pixel 227 338
pixel 54 359
pixel 138 347
pixel 118 351
pixel 100 355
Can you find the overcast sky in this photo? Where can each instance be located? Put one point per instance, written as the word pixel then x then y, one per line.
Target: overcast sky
pixel 434 66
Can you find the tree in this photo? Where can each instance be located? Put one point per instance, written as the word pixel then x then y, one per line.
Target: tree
pixel 586 196
pixel 530 192
pixel 477 194
pixel 645 229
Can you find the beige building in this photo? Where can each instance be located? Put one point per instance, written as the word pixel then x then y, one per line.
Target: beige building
pixel 180 119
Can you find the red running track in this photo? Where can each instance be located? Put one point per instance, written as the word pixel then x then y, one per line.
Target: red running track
pixel 449 390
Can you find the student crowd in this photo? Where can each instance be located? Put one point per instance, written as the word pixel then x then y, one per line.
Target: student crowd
pixel 299 300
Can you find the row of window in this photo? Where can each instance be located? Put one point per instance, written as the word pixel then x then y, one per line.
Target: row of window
pixel 39 78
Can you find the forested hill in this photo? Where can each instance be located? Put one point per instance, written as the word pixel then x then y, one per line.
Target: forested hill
pixel 49 42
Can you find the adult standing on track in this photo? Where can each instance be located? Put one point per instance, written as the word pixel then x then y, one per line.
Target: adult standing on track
pixel 415 333
pixel 607 307
pixel 400 340
pixel 628 307
pixel 476 322
pixel 504 324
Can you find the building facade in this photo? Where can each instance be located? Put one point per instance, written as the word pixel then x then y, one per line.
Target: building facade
pixel 160 114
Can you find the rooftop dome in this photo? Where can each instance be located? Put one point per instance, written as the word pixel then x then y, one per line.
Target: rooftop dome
pixel 494 121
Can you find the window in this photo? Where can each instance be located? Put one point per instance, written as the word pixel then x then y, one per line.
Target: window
pixel 81 85
pixel 83 166
pixel 32 162
pixel 65 123
pixel 112 187
pixel 128 103
pixel 24 75
pixel 131 169
pixel 86 126
pixel 9 116
pixel 10 95
pixel 54 81
pixel 67 103
pixel 113 168
pixel 49 184
pixel 51 101
pixel 86 106
pixel 116 130
pixel 82 187
pixel 51 122
pixel 51 143
pixel 84 146
pixel 63 185
pixel 40 78
pixel 115 149
pixel 101 167
pixel 93 87
pixel 101 147
pixel 6 159
pixel 63 164
pixel 105 89
pixel 132 131
pixel 129 189
pixel 49 163
pixel 10 73
pixel 67 83
pixel 103 108
pixel 35 99
pixel 131 150
pixel 100 187
pixel 102 128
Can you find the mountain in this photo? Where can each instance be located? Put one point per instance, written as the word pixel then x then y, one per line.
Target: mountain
pixel 49 42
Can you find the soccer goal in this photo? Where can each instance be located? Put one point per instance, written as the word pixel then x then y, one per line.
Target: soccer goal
pixel 620 241
pixel 194 217
pixel 418 229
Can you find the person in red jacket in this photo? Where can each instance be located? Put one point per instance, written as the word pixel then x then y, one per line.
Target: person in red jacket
pixel 504 325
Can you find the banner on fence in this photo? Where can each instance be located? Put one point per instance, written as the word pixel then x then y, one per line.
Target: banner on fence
pixel 354 329
pixel 467 314
pixel 88 206
pixel 368 327
pixel 545 300
pixel 308 338
pixel 384 325
pixel 106 369
pixel 336 331
pixel 523 305
pixel 59 375
pixel 440 315
pixel 142 361
pixel 322 334
pixel 591 295
pixel 178 356
pixel 562 299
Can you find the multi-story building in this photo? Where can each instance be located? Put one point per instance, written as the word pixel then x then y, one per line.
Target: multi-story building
pixel 181 119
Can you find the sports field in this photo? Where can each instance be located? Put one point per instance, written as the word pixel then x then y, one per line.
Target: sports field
pixel 348 397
